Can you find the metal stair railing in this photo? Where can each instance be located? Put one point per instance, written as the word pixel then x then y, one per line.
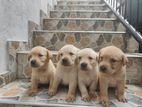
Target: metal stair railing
pixel 118 7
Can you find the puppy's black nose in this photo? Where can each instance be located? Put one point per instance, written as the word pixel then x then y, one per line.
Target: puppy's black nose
pixel 83 65
pixel 103 68
pixel 33 62
pixel 64 61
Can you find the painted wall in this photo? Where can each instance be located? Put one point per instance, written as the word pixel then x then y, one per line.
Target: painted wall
pixel 14 17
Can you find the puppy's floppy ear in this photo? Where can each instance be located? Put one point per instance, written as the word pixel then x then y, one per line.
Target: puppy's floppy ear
pixel 49 54
pixel 124 59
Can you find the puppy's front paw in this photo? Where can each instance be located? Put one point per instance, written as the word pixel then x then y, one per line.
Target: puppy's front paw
pixel 92 95
pixel 51 92
pixel 122 99
pixel 105 101
pixel 86 98
pixel 70 98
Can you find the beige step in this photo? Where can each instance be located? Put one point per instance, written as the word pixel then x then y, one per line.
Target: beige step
pixel 81 14
pixel 55 39
pixel 83 24
pixel 81 7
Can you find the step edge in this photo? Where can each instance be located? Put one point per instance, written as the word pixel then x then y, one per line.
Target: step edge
pixel 138 55
pixel 95 5
pixel 79 0
pixel 95 11
pixel 57 31
pixel 103 19
pixel 26 52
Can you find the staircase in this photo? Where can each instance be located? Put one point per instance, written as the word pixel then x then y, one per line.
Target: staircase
pixel 83 23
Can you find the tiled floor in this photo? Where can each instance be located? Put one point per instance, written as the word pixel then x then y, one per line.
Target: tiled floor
pixel 16 93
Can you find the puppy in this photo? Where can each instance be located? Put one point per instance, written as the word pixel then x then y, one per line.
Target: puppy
pixel 112 66
pixel 87 73
pixel 66 71
pixel 42 67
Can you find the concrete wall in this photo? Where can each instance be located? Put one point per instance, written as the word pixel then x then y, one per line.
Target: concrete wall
pixel 14 17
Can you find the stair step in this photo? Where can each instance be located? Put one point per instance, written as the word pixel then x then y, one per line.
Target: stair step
pixel 91 24
pixel 133 68
pixel 66 2
pixel 81 7
pixel 81 14
pixel 54 40
pixel 42 99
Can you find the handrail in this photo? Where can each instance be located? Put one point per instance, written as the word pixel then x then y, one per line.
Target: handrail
pixel 118 8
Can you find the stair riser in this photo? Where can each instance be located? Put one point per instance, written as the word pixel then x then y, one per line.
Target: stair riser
pixel 55 41
pixel 133 68
pixel 60 14
pixel 78 2
pixel 77 25
pixel 80 7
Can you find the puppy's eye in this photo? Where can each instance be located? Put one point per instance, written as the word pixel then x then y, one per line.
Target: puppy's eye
pixel 79 57
pixel 113 60
pixel 90 58
pixel 71 53
pixel 40 55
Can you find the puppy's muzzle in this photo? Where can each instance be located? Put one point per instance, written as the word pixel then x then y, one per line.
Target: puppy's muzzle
pixel 103 68
pixel 34 63
pixel 83 66
pixel 65 62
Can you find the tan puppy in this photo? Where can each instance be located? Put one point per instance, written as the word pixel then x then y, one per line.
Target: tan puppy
pixel 112 65
pixel 43 69
pixel 66 71
pixel 87 73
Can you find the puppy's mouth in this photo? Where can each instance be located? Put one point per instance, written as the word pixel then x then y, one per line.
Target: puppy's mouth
pixel 103 69
pixel 83 66
pixel 34 64
pixel 65 62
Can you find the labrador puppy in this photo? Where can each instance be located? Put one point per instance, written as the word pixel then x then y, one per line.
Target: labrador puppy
pixel 87 73
pixel 112 66
pixel 42 67
pixel 66 71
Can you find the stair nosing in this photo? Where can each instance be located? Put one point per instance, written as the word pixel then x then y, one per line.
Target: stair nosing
pixel 25 52
pixel 103 19
pixel 95 11
pixel 97 32
pixel 79 0
pixel 138 55
pixel 95 5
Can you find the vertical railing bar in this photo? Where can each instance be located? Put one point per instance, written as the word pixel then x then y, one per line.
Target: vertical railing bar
pixel 138 12
pixel 119 10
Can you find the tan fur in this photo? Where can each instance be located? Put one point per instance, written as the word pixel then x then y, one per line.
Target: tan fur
pixel 88 75
pixel 66 74
pixel 43 70
pixel 112 64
